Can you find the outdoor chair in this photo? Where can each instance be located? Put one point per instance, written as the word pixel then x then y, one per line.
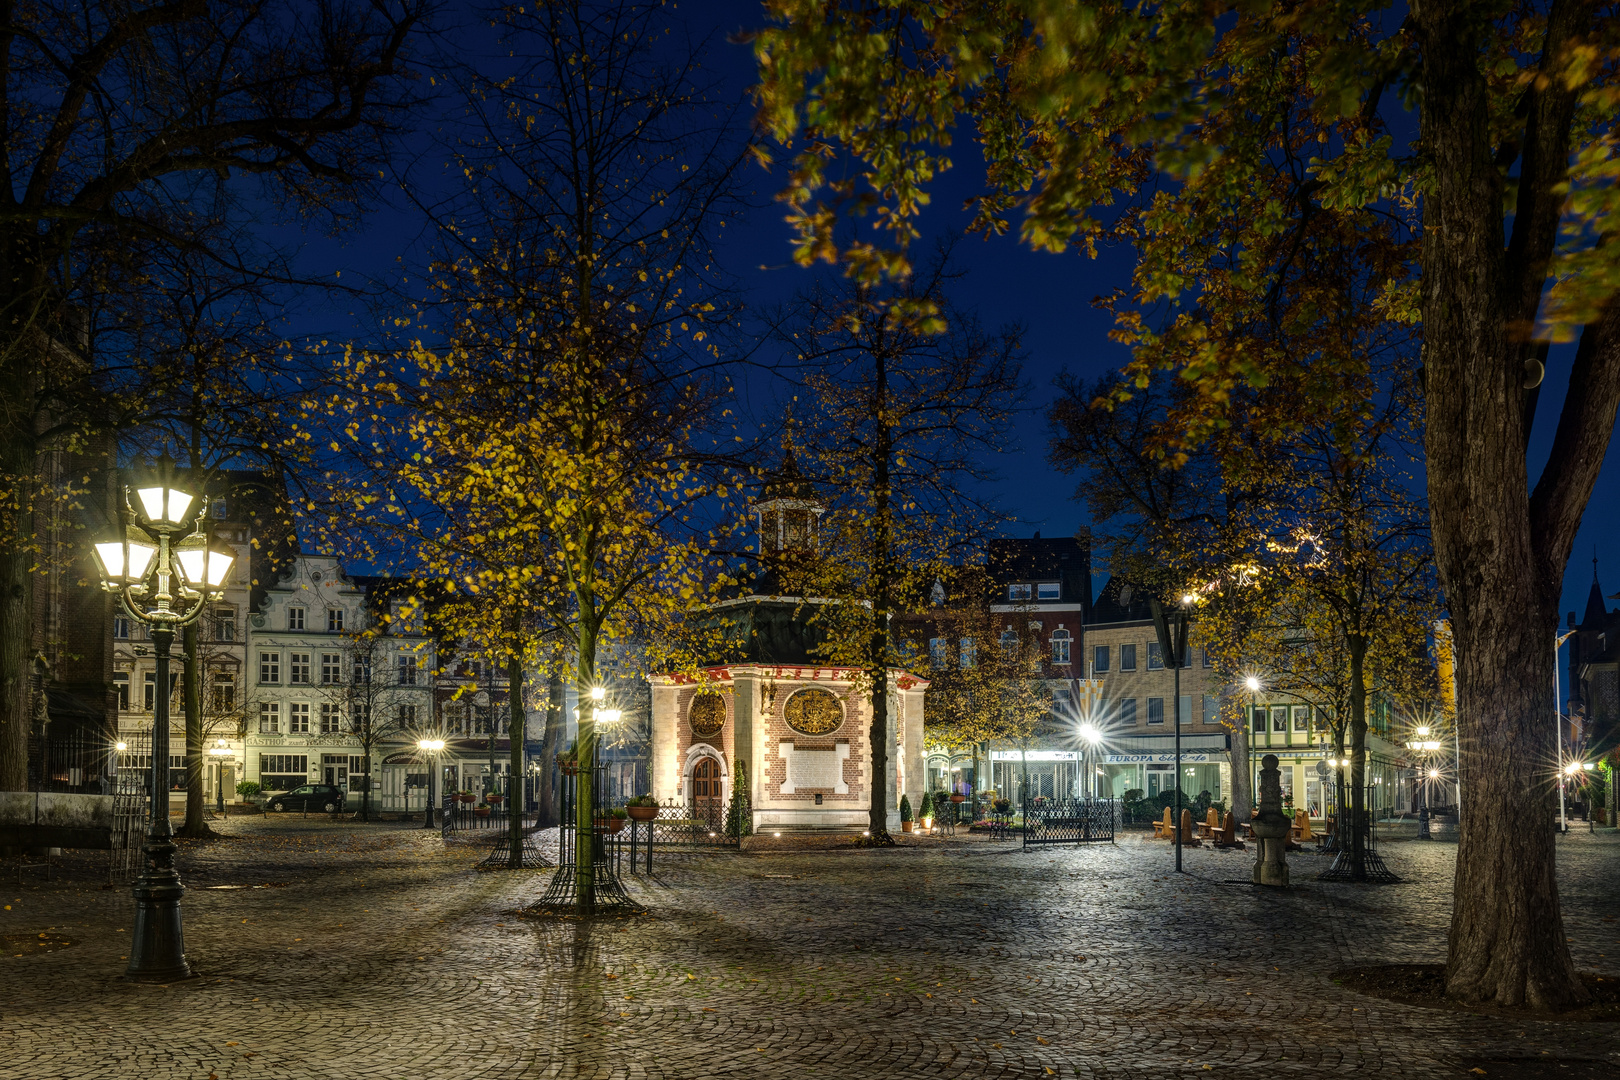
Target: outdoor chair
pixel 1226 837
pixel 1164 828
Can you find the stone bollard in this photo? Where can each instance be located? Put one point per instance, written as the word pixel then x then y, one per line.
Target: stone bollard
pixel 1271 827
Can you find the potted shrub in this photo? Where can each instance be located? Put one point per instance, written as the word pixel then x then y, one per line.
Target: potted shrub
pixel 905 813
pixel 494 798
pixel 481 811
pixel 642 808
pixel 248 790
pixel 958 797
pixel 466 798
pixel 1001 806
pixel 568 760
pixel 612 823
pixel 926 811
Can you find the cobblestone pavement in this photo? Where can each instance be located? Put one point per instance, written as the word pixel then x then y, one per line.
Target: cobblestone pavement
pixel 376 952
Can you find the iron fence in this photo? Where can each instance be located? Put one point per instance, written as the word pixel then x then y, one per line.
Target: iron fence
pixel 1069 821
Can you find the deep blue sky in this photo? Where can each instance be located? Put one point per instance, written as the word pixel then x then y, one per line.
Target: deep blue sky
pixel 1051 295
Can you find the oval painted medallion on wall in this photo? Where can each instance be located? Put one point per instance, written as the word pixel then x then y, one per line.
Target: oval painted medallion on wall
pixel 707 715
pixel 813 712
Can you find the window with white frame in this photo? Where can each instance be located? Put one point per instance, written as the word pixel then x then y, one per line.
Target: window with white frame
pixel 1019 592
pixel 298 717
pixel 295 618
pixel 334 620
pixel 969 652
pixel 331 668
pixel 938 651
pixel 1048 590
pixel 407 671
pixel 121 688
pixel 1009 642
pixel 362 671
pixel 269 718
pixel 225 624
pixel 298 667
pixel 1061 640
pixel 405 716
pixel 121 627
pixel 331 718
pixel 269 667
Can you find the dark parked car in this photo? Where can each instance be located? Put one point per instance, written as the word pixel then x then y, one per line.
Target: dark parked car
pixel 320 797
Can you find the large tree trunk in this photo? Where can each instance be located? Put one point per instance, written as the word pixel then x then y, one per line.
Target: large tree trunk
pixel 191 677
pixel 1358 760
pixel 1507 943
pixel 585 782
pixel 516 733
pixel 16 622
pixel 1242 797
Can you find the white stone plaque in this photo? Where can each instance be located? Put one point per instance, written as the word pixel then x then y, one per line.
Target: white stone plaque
pixel 822 770
pixel 815 769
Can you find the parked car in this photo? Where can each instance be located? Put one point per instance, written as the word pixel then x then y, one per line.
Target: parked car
pixel 323 797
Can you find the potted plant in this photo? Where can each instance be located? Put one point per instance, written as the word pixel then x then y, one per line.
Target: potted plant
pixel 905 813
pixel 494 798
pixel 642 808
pixel 568 760
pixel 958 797
pixel 1001 806
pixel 481 811
pixel 926 811
pixel 612 823
pixel 248 789
pixel 466 798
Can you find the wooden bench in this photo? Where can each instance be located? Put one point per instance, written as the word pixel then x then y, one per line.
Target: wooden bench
pixel 1211 825
pixel 1164 829
pixel 1226 836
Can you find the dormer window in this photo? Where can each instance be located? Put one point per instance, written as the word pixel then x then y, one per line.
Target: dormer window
pixel 1048 590
pixel 1019 592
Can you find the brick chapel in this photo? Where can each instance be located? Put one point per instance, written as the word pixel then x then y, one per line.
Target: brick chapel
pixel 771 707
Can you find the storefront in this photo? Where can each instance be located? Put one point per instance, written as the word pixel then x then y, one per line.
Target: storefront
pixel 1054 774
pixel 1147 763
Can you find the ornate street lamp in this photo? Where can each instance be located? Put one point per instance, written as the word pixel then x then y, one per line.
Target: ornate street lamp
pixel 164 572
pixel 434 747
pixel 1170 625
pixel 220 753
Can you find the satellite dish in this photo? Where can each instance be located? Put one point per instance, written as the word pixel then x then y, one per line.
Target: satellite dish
pixel 1125 596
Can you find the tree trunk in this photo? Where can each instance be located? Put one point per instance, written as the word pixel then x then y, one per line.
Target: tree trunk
pixel 1358 758
pixel 1507 943
pixel 551 741
pixel 584 783
pixel 16 623
pixel 191 678
pixel 515 731
pixel 1242 797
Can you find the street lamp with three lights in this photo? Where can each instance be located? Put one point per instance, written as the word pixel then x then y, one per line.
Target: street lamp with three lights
pixel 164 571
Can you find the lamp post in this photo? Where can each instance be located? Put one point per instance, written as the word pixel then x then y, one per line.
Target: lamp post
pixel 164 572
pixel 433 747
pixel 1090 736
pixel 219 754
pixel 1558 726
pixel 1171 628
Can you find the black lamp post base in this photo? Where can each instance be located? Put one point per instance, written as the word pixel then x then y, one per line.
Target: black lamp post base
pixel 157 948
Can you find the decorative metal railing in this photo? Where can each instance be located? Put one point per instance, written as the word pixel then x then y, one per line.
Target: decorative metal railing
pixel 1069 821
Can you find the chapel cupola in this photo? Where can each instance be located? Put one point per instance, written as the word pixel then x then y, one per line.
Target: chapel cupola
pixel 788 511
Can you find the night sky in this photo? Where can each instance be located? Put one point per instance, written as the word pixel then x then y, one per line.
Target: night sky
pixel 1051 295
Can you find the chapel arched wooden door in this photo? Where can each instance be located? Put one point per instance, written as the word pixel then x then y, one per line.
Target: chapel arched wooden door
pixel 706 800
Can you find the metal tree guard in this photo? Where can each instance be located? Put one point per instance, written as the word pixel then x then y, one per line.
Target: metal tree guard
pixel 562 894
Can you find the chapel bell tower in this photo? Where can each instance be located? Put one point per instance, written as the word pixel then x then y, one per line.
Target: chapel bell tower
pixel 788 511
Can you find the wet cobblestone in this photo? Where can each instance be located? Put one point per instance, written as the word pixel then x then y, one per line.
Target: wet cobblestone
pixel 375 951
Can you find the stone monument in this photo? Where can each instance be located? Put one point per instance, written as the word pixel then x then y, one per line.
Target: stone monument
pixel 1271 827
